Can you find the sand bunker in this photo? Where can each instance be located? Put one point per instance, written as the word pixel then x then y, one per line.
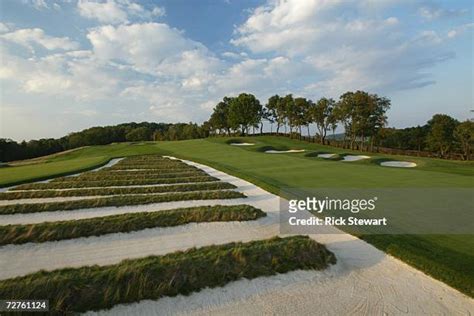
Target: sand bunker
pixel 354 157
pixel 382 283
pixel 284 151
pixel 398 164
pixel 326 156
pixel 107 165
pixel 242 144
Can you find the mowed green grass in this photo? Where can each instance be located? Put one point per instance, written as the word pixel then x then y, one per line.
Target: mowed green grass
pixel 447 257
pixel 71 162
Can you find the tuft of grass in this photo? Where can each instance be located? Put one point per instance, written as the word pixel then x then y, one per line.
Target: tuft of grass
pixel 33 194
pixel 111 176
pixel 123 223
pixel 108 183
pixel 118 201
pixel 75 290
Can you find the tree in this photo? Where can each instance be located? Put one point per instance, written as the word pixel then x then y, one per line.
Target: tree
pixel 274 113
pixel 464 135
pixel 322 115
pixel 362 114
pixel 333 120
pixel 139 134
pixel 288 107
pixel 244 112
pixel 301 113
pixel 267 116
pixel 220 116
pixel 441 134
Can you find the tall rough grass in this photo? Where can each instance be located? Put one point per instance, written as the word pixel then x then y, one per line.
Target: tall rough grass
pixel 33 194
pixel 118 201
pixel 108 183
pixel 111 176
pixel 123 223
pixel 74 290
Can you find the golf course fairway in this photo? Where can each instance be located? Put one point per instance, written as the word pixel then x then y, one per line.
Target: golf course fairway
pixel 448 258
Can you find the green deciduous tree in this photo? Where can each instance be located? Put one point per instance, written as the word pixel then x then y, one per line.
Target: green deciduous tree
pixel 139 134
pixel 441 135
pixel 464 135
pixel 219 119
pixel 322 115
pixel 244 112
pixel 362 114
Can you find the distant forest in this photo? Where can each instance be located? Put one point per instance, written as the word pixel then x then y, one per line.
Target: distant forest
pixel 362 116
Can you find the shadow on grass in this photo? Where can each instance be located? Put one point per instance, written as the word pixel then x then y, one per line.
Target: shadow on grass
pixel 275 148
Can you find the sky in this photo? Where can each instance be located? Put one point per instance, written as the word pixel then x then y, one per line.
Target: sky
pixel 67 65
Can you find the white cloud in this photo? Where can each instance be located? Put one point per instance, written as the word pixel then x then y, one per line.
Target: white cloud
pixel 152 48
pixel 348 46
pixel 38 4
pixel 144 70
pixel 3 28
pixel 158 11
pixel 105 12
pixel 36 36
pixel 45 4
pixel 460 30
pixel 116 11
pixel 432 12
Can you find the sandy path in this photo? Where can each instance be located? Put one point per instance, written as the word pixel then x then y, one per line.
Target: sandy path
pixel 364 281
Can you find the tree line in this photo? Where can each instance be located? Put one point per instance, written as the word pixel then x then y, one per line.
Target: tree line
pixel 101 135
pixel 362 116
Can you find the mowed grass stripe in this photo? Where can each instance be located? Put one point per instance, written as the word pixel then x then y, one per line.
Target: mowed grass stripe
pixel 118 201
pixel 123 223
pixel 31 194
pixel 101 287
pixel 109 183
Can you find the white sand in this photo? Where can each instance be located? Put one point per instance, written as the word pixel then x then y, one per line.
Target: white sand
pixel 326 155
pixel 116 186
pixel 40 217
pixel 88 197
pixel 355 157
pixel 398 164
pixel 364 281
pixel 109 164
pixel 242 144
pixel 284 151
